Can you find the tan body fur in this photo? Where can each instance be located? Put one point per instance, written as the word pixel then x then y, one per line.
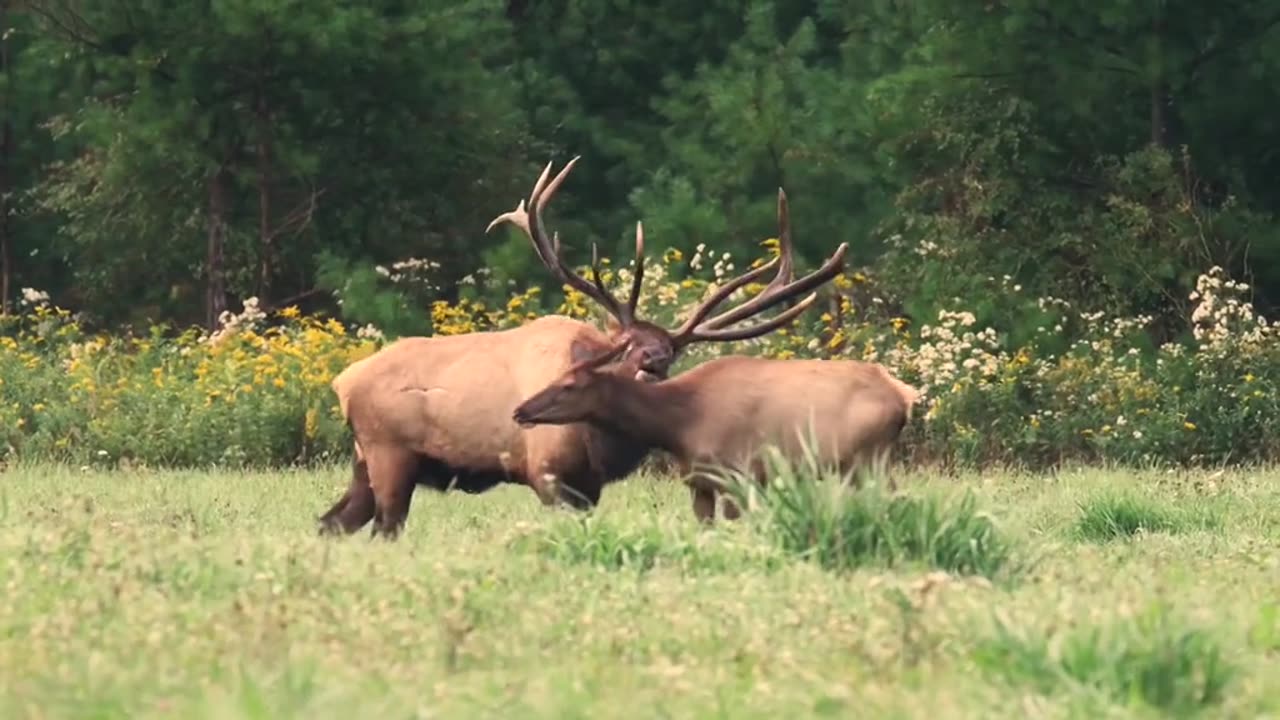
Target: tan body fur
pixel 723 412
pixel 431 410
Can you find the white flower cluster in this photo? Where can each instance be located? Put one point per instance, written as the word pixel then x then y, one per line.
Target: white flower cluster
pixel 34 298
pixel 654 286
pixel 949 350
pixel 229 323
pixel 1222 317
pixel 411 270
pixel 369 332
pixel 482 274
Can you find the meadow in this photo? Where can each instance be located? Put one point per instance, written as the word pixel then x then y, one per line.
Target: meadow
pixel 168 593
pixel 159 555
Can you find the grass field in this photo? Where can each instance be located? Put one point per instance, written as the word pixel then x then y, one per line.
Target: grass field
pixel 170 594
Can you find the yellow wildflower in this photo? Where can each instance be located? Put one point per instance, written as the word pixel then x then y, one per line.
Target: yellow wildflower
pixel 290 312
pixel 310 423
pixel 1189 426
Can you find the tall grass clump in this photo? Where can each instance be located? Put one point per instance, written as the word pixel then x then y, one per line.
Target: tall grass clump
pixel 1153 659
pixel 814 512
pixel 1114 516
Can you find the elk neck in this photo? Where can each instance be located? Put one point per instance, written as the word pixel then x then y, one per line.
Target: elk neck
pixel 656 414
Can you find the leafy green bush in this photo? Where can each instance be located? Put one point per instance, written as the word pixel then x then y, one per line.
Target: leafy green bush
pixel 1083 387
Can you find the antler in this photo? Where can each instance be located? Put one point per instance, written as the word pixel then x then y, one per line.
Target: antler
pixel 548 249
pixel 778 291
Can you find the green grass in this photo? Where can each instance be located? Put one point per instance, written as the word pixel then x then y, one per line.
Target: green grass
pixel 813 512
pixel 207 595
pixel 1118 515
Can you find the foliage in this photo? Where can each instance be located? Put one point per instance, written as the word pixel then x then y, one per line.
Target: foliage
pixel 1100 153
pixel 246 395
pixel 1108 396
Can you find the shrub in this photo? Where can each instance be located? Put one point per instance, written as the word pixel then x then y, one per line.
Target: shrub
pixel 1084 387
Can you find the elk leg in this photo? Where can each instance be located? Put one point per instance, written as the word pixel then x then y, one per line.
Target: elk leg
pixel 704 503
pixel 355 508
pixel 392 480
pixel 731 509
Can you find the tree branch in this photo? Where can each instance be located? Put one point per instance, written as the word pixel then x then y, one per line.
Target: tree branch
pixel 1221 49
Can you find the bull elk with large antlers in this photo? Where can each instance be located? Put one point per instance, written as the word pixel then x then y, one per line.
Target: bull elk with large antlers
pixel 436 411
pixel 723 412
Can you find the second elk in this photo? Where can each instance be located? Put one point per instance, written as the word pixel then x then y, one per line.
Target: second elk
pixel 724 412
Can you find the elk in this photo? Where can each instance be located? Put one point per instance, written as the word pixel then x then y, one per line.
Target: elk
pixel 436 411
pixel 723 412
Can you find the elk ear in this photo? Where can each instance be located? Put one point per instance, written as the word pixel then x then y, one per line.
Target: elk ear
pixel 580 352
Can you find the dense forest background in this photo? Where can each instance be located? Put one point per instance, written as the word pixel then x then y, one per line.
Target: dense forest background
pixel 163 161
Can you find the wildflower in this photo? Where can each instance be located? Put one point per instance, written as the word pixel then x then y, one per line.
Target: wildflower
pixel 290 312
pixel 1189 426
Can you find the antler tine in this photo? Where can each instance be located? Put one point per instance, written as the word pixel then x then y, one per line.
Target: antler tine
pixel 729 288
pixel 638 276
pixel 779 290
pixel 761 328
pixel 767 299
pixel 776 285
pixel 609 300
pixel 548 249
pixel 782 288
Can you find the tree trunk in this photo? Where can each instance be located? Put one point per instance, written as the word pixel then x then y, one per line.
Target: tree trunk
pixel 6 162
pixel 216 289
pixel 265 240
pixel 1159 99
pixel 1159 90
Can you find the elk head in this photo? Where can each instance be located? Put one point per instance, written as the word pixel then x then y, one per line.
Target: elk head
pixel 575 395
pixel 650 348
